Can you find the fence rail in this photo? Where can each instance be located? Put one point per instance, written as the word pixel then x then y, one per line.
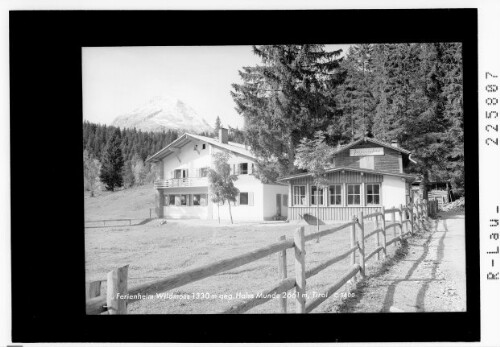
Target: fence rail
pixel 129 220
pixel 113 303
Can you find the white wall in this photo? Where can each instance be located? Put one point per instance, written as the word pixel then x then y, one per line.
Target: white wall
pixel 246 184
pixel 192 160
pixel 393 192
pixel 270 192
pixel 188 212
pixel 189 159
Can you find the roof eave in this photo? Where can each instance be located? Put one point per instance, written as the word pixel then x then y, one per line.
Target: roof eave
pixel 158 155
pixel 307 174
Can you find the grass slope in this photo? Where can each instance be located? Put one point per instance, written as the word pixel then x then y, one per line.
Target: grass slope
pixel 127 203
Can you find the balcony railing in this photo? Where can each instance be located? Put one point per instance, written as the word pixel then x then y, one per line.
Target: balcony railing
pixel 182 182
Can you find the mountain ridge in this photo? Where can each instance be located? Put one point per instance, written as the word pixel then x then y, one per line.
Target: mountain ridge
pixel 163 113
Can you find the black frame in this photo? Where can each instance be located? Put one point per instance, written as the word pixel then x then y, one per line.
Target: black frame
pixel 48 298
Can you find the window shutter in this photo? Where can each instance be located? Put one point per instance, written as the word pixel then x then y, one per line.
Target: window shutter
pixel 187 173
pixel 167 199
pixel 237 202
pixel 237 169
pixel 250 199
pixel 250 168
pixel 231 169
pixel 172 174
pixel 285 200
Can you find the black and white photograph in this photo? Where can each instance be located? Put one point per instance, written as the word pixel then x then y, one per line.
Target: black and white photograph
pixel 298 178
pixel 227 175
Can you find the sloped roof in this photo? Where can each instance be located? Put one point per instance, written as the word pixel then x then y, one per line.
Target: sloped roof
pixel 376 172
pixel 186 137
pixel 372 140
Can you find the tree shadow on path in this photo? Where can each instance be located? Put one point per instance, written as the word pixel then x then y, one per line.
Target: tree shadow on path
pixel 364 285
pixel 419 304
pixel 389 297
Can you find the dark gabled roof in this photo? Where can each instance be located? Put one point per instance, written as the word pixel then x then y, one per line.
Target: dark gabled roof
pixel 372 140
pixel 376 172
pixel 185 138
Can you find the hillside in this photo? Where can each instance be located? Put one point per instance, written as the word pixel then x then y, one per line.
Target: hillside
pixel 162 113
pixel 131 203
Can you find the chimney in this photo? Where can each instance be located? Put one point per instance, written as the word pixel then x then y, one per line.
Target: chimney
pixel 223 135
pixel 394 143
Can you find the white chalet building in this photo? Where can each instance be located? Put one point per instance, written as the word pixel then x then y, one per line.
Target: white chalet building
pixel 182 191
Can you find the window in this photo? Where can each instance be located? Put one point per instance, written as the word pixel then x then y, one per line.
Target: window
pixel 180 173
pixel 204 172
pixel 372 194
pixel 314 192
pixel 196 199
pixel 299 195
pixel 354 194
pixel 243 198
pixel 335 194
pixel 183 200
pixel 171 199
pixel 203 146
pixel 199 200
pixel 243 168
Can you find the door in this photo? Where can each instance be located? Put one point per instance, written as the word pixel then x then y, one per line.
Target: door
pixel 278 204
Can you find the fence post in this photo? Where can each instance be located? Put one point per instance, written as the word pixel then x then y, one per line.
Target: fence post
pixel 93 289
pixel 282 272
pixel 378 235
pixel 410 210
pixel 418 216
pixel 300 270
pixel 384 235
pixel 117 285
pixel 362 247
pixel 401 219
pixel 394 228
pixel 353 243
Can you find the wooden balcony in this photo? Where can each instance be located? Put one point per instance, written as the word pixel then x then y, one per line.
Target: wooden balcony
pixel 182 182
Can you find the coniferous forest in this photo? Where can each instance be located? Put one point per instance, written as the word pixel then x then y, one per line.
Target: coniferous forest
pixel 409 92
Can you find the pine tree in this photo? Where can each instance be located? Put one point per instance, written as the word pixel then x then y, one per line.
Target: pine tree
pixel 286 98
pixel 413 91
pixel 355 97
pixel 128 175
pixel 452 95
pixel 91 168
pixel 112 165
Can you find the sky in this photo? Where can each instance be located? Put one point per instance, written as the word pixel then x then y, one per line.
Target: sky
pixel 116 80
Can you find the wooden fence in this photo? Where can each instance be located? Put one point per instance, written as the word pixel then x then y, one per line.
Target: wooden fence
pixel 410 219
pixel 111 222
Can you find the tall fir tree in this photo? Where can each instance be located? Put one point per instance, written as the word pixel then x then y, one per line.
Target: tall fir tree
pixel 355 96
pixel 287 97
pixel 112 164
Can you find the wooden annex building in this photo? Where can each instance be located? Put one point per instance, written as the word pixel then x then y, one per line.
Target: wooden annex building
pixel 365 175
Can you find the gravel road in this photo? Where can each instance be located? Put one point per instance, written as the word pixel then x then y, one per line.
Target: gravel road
pixel 426 275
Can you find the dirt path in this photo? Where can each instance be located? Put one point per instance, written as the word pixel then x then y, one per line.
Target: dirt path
pixel 426 275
